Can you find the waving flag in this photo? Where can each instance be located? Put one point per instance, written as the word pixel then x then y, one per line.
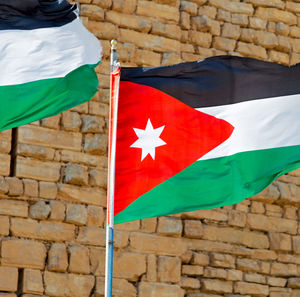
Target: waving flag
pixel 47 60
pixel 204 134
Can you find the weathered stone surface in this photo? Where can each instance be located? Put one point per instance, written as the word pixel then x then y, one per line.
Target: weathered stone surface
pixel 8 279
pixel 76 214
pixel 33 281
pixel 120 288
pixel 169 226
pixel 264 223
pixel 98 177
pixel 39 210
pixel 276 15
pixel 93 196
pixel 76 174
pixel 250 288
pixel 49 138
pixel 91 236
pixel 68 285
pixel 159 289
pixel 193 229
pixel 13 208
pixel 279 241
pixel 23 253
pixel 169 269
pixel 79 260
pixel 220 260
pixel 51 231
pixel 39 170
pixel 148 243
pixel 35 151
pixel 58 257
pixel 284 270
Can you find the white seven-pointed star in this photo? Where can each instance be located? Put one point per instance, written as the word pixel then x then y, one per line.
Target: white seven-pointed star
pixel 148 140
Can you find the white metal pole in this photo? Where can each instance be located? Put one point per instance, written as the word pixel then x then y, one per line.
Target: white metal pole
pixel 114 96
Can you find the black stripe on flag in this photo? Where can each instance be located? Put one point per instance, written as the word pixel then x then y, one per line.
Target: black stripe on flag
pixel 34 14
pixel 219 80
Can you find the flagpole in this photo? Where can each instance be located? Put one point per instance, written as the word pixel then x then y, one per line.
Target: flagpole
pixel 114 96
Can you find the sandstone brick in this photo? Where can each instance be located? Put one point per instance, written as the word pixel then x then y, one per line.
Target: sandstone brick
pixel 170 59
pixel 57 211
pixel 129 265
pixel 93 196
pixel 189 7
pixel 266 39
pixel 4 164
pixel 147 57
pixel 200 38
pixel 231 31
pixel 189 283
pixel 209 214
pixel 50 231
pixel 92 124
pixel 296 244
pixel 151 42
pixel 5 141
pixel 276 281
pixel 248 265
pixel 289 192
pixel 185 20
pixel 13 208
pixel 91 236
pixel 149 9
pixel 279 269
pixel 268 3
pixel 95 143
pixel 71 121
pixel 220 260
pixel 51 122
pixel 159 289
pixel 268 195
pixel 211 272
pixel 79 260
pixel 280 241
pixel 148 243
pixel 97 258
pixel 35 151
pixel 260 222
pixel 224 44
pixel 252 289
pixel 200 259
pixel 151 274
pixel 255 278
pixel 98 177
pixel 168 30
pixel 39 210
pixel 169 269
pixel 193 229
pixel 103 30
pixel 49 138
pixel 235 7
pixel 276 15
pixel 98 108
pixel 4 187
pixel 279 57
pixel 149 225
pixel 58 258
pixel 47 190
pixel 128 7
pixel 234 275
pixel 236 218
pixel 30 187
pixel 32 281
pixel 81 108
pixel 93 12
pixel 294 282
pixel 8 279
pixel 15 186
pixel 35 169
pixel 23 253
pixel 77 157
pixel 258 23
pixel 4 225
pixel 95 216
pixel 231 235
pixel 255 51
pixel 192 270
pixel 68 285
pixel 76 214
pixel 169 226
pixel 120 288
pixel 290 213
pixel 217 286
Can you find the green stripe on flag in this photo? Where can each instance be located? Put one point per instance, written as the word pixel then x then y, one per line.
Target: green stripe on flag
pixel 25 103
pixel 214 183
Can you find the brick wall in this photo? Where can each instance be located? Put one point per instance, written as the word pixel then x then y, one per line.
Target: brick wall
pixel 53 175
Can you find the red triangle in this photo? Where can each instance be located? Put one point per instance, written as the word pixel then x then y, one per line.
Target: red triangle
pixel 189 134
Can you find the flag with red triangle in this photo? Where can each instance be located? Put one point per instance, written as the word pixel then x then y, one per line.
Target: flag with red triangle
pixel 194 135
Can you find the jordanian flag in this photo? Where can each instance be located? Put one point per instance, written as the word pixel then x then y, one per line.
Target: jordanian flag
pixel 204 134
pixel 47 60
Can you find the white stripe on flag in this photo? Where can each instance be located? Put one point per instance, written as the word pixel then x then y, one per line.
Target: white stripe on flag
pixel 29 55
pixel 259 124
